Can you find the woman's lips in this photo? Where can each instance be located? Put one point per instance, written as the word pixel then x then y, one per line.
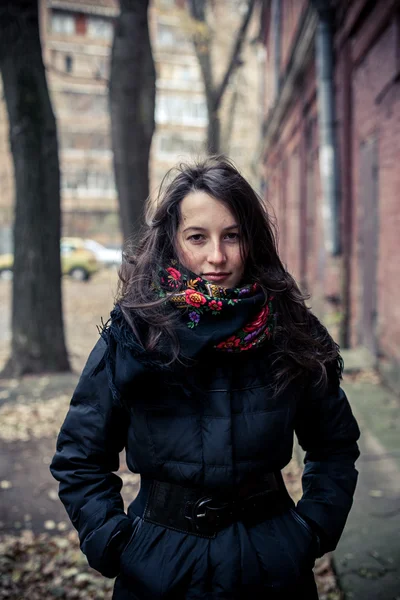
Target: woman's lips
pixel 217 278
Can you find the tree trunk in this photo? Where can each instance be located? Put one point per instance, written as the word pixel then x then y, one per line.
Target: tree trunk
pixel 226 135
pixel 37 326
pixel 132 103
pixel 213 132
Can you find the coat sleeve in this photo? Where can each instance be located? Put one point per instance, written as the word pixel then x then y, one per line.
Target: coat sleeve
pixel 88 446
pixel 328 432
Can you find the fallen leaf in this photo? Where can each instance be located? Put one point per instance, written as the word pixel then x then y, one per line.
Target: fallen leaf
pixel 71 572
pixel 375 493
pixel 53 495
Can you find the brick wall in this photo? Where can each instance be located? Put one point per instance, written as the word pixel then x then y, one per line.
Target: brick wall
pixel 291 14
pixel 376 110
pixel 368 133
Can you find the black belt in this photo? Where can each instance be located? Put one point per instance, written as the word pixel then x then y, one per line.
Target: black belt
pixel 204 513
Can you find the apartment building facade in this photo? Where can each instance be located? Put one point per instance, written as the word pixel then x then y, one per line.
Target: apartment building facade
pixel 76 39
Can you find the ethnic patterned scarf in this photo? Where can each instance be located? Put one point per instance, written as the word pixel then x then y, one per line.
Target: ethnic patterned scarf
pixel 230 319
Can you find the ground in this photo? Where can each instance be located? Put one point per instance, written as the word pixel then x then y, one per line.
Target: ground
pixel 39 550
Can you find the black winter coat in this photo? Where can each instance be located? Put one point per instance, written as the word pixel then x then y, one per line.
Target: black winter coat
pixel 215 429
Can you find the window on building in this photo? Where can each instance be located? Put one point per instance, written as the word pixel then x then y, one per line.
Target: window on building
pixel 101 69
pixel 88 179
pixel 98 27
pixel 85 140
pixel 80 24
pixel 167 35
pixel 79 102
pixel 179 73
pixel 68 63
pixel 181 109
pixel 100 141
pixel 62 23
pixel 186 73
pixel 167 3
pixel 177 144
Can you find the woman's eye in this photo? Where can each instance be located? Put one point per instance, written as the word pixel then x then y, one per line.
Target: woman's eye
pixel 199 237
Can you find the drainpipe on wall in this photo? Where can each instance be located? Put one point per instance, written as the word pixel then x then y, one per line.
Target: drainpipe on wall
pixel 347 212
pixel 328 152
pixel 276 33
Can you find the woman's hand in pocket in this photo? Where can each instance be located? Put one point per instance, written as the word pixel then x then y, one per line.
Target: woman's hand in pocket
pixel 118 543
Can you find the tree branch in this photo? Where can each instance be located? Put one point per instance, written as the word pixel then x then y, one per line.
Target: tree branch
pixel 233 63
pixel 201 42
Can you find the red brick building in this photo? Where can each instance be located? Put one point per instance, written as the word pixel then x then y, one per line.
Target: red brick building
pixel 331 153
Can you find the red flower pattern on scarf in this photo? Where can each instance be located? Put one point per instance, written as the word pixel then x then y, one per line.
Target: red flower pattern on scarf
pixel 231 342
pixel 215 305
pixel 206 298
pixel 174 273
pixel 259 321
pixel 194 298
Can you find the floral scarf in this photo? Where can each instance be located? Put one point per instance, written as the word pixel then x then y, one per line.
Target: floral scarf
pixel 230 319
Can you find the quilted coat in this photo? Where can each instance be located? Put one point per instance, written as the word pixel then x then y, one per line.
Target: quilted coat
pixel 211 428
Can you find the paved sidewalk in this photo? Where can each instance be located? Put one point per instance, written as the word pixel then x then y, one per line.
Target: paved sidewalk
pixel 367 559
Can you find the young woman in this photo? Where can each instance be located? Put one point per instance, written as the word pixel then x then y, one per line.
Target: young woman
pixel 209 364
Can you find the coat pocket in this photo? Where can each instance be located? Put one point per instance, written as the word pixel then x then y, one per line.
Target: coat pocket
pixel 316 544
pixel 284 548
pixel 300 520
pixel 136 527
pixel 141 559
pixel 310 547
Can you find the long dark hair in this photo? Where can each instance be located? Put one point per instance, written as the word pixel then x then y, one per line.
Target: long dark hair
pixel 301 342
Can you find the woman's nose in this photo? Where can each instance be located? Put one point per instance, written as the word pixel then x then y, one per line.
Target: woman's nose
pixel 217 255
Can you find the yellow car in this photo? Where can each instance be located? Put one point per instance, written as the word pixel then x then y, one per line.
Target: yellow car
pixel 77 262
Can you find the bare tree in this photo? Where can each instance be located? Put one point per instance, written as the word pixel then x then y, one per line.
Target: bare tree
pixel 214 92
pixel 37 325
pixel 132 103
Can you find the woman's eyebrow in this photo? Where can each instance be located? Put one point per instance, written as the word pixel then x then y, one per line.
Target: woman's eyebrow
pixel 234 226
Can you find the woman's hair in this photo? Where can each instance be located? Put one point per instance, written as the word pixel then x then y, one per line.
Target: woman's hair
pixel 301 342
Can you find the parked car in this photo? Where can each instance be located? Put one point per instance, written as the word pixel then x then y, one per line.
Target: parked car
pixel 6 265
pixel 77 262
pixel 110 257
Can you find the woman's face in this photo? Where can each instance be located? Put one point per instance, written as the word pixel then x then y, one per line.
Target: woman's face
pixel 208 240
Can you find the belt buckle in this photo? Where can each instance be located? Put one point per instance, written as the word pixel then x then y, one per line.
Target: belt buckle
pixel 199 510
pixel 199 514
